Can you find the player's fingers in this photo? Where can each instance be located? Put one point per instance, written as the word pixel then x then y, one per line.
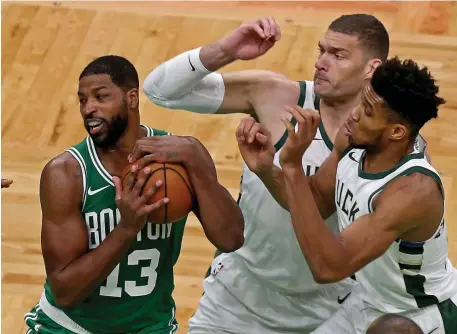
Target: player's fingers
pixel 147 195
pixel 290 128
pixel 143 176
pixel 142 147
pixel 273 27
pixel 130 179
pixel 156 205
pixel 257 29
pixel 240 135
pixel 144 161
pixel 298 117
pixel 250 122
pixel 261 138
pixel 152 190
pixel 255 128
pixel 265 27
pixel 118 185
pixel 239 129
pixel 316 120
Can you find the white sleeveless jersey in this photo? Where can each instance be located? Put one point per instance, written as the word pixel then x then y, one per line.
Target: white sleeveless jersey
pixel 271 252
pixel 409 275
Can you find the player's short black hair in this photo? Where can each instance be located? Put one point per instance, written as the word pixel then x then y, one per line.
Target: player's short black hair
pixel 122 72
pixel 394 324
pixel 371 33
pixel 408 90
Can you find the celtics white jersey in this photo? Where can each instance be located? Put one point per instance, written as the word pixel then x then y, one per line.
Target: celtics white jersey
pixel 408 275
pixel 271 251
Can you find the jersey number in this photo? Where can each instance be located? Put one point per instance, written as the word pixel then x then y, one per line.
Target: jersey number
pixel 111 289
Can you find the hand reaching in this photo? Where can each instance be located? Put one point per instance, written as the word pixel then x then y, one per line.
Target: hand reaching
pixel 251 40
pixel 255 145
pixel 298 142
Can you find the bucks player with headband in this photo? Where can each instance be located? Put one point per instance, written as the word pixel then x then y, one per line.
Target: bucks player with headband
pixel 108 269
pixel 389 200
pixel 266 286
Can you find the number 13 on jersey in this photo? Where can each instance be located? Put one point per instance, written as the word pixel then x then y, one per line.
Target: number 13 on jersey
pixel 111 289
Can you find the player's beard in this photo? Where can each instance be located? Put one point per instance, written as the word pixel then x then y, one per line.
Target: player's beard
pixel 115 129
pixel 369 147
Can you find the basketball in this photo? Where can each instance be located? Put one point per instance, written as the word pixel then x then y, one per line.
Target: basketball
pixel 175 186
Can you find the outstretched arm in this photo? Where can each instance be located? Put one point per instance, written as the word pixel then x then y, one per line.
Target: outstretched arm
pixel 189 81
pixel 410 203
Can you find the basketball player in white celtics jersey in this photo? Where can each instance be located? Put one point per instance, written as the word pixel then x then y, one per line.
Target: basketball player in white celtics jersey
pixel 266 286
pixel 389 200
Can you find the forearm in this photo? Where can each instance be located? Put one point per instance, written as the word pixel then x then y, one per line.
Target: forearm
pixel 213 57
pixel 218 212
pixel 273 180
pixel 77 280
pixel 323 251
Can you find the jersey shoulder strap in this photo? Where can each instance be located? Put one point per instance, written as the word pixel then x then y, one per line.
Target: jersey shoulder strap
pixel 301 102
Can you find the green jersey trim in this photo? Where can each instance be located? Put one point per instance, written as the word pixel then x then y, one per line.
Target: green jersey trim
pixel 59 317
pixel 97 163
pixel 300 103
pixel 406 172
pixel 325 136
pixel 381 175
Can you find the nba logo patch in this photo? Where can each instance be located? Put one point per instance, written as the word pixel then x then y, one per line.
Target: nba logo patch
pixel 217 268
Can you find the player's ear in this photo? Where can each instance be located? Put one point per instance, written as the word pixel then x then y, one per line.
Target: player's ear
pixel 372 65
pixel 399 131
pixel 133 100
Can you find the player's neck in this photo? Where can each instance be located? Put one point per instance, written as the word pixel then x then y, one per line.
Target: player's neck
pixel 386 158
pixel 335 112
pixel 116 157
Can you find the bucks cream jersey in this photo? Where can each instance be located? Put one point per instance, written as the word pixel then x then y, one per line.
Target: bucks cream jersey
pixel 408 275
pixel 138 292
pixel 271 251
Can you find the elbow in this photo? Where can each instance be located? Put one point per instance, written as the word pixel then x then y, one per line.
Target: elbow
pixel 235 240
pixel 65 302
pixel 326 275
pixel 232 244
pixel 152 87
pixel 62 294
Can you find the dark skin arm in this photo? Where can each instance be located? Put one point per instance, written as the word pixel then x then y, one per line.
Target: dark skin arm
pixel 406 205
pixel 410 208
pixel 72 271
pixel 220 216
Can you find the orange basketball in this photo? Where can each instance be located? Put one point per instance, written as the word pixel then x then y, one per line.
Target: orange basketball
pixel 175 185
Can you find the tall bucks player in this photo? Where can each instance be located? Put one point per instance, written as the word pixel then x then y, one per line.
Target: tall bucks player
pixel 389 201
pixel 266 286
pixel 108 269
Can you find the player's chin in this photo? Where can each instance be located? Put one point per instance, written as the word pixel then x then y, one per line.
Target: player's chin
pixel 323 89
pixel 99 139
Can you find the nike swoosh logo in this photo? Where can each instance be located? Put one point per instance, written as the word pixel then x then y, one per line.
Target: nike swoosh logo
pixel 433 330
pixel 193 68
pixel 341 300
pixel 91 192
pixel 351 157
pixel 317 139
